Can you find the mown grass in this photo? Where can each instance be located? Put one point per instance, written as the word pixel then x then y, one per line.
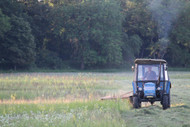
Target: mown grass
pixel 72 99
pixel 57 85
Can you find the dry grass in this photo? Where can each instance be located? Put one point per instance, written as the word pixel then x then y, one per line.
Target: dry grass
pixel 42 101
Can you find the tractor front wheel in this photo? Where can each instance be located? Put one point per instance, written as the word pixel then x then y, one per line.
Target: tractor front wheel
pixel 169 100
pixel 165 102
pixel 136 102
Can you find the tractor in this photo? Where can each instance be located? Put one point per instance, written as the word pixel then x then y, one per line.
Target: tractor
pixel 151 82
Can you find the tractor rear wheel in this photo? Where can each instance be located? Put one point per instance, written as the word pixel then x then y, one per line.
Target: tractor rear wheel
pixel 135 102
pixel 165 102
pixel 131 99
pixel 139 104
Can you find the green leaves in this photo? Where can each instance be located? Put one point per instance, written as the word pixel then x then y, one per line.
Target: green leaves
pixel 21 33
pixel 18 44
pixel 92 33
pixel 179 50
pixel 5 24
pixel 94 29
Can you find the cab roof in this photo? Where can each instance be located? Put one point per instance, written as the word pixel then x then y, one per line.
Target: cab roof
pixel 150 61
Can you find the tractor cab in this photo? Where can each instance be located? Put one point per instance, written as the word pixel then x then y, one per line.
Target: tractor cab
pixel 151 82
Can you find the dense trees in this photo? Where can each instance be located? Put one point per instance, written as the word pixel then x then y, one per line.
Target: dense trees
pixel 5 24
pixel 17 42
pixel 179 50
pixel 92 33
pixel 94 30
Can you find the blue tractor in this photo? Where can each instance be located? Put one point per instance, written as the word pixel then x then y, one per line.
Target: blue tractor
pixel 151 82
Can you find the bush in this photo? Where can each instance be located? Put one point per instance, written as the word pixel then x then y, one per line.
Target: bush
pixel 48 59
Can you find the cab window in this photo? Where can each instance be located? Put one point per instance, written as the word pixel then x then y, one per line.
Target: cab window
pixel 149 72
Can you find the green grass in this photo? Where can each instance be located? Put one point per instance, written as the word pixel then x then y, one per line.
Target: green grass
pixel 92 113
pixel 179 69
pixel 72 99
pixel 102 70
pixel 58 85
pixel 33 70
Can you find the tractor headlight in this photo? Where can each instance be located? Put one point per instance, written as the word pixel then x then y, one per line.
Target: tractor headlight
pixel 140 89
pixel 158 88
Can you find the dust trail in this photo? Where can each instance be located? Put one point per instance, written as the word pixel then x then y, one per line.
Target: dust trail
pixel 164 13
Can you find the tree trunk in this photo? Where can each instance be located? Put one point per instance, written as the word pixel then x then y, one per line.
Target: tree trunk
pixel 82 66
pixel 15 67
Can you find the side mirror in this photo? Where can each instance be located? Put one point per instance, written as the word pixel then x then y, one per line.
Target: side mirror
pixel 132 68
pixel 165 68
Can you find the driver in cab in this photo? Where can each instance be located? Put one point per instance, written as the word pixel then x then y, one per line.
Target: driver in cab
pixel 150 75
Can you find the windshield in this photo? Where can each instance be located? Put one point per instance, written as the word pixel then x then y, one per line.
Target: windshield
pixel 149 72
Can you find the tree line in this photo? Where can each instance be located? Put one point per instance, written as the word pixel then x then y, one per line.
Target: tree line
pixel 59 34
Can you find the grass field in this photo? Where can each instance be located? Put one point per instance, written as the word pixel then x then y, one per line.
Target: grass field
pixel 73 100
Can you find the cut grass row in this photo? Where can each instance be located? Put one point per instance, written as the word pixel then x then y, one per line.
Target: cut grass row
pixel 57 85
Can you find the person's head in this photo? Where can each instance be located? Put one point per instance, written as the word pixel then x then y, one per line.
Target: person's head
pixel 149 68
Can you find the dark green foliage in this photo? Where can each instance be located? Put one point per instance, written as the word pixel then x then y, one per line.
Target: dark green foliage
pixel 179 51
pixel 39 19
pixel 131 47
pixel 138 22
pixel 5 24
pixel 93 33
pixel 18 44
pixel 178 56
pixel 93 29
pixel 48 59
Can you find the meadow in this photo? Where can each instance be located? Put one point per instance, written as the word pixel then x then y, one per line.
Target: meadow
pixel 73 100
